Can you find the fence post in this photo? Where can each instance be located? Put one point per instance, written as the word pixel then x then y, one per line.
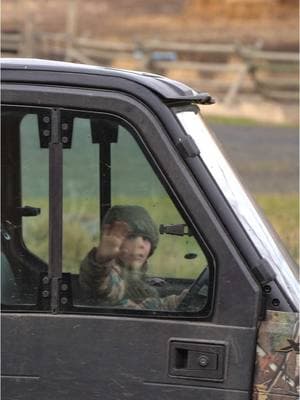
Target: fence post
pixel 28 49
pixel 71 28
pixel 234 88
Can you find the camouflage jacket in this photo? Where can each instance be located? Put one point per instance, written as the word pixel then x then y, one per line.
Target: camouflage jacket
pixel 119 287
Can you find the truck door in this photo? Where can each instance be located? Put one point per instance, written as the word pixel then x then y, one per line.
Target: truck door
pixel 64 167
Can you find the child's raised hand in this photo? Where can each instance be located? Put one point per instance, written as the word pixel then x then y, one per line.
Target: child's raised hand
pixel 112 238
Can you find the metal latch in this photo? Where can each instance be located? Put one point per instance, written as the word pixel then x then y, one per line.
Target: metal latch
pixel 187 147
pixel 264 272
pixel 175 229
pixel 29 211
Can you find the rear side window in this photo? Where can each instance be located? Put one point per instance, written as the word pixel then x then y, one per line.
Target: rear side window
pixel 24 223
pixel 35 186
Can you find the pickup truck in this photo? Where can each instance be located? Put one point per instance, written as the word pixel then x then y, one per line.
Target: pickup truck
pixel 78 140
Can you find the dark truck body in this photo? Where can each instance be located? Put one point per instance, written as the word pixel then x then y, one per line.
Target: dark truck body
pixel 235 337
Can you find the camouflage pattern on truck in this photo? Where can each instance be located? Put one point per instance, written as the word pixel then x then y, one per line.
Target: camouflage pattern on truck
pixel 277 358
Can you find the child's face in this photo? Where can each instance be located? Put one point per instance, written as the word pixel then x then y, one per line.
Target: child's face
pixel 134 252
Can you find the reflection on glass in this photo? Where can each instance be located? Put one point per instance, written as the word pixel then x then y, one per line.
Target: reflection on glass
pixel 124 262
pixel 258 230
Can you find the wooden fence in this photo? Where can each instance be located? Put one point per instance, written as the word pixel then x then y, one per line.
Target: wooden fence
pixel 224 69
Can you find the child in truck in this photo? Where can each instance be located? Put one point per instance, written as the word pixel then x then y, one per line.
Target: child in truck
pixel 115 271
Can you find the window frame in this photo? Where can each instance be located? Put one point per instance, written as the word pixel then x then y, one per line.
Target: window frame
pixel 197 209
pixel 55 223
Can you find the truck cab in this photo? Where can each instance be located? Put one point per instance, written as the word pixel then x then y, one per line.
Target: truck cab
pixel 78 140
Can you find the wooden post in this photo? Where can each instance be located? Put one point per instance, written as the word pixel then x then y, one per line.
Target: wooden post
pixel 28 49
pixel 71 28
pixel 234 88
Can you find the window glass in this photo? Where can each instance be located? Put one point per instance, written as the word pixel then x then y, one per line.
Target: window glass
pixel 143 256
pixel 24 224
pixel 135 182
pixel 81 203
pixel 254 223
pixel 35 187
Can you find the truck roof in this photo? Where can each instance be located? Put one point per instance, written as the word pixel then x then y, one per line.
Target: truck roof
pixel 59 72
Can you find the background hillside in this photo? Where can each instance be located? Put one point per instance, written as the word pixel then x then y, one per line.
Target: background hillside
pixel 275 22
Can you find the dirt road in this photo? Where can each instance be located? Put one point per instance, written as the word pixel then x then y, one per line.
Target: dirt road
pixel 267 158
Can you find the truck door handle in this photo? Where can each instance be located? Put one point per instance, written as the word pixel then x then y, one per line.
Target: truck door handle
pixel 204 361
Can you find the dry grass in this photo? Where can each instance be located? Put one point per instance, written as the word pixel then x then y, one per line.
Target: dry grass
pixel 282 210
pixel 81 233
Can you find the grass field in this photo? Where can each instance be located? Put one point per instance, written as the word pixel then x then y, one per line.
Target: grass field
pixel 81 222
pixel 282 210
pixel 241 121
pixel 81 232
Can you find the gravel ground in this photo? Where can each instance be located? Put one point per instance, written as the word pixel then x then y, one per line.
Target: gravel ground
pixel 267 158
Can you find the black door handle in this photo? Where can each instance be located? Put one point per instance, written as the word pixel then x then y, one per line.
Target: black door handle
pixel 198 360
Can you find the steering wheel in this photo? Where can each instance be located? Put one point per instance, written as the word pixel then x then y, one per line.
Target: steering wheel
pixel 194 299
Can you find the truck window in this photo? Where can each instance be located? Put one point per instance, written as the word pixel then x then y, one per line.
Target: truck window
pixel 24 219
pixel 105 169
pixel 35 186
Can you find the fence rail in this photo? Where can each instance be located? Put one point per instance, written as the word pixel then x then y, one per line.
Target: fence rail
pixel 225 68
pixel 11 42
